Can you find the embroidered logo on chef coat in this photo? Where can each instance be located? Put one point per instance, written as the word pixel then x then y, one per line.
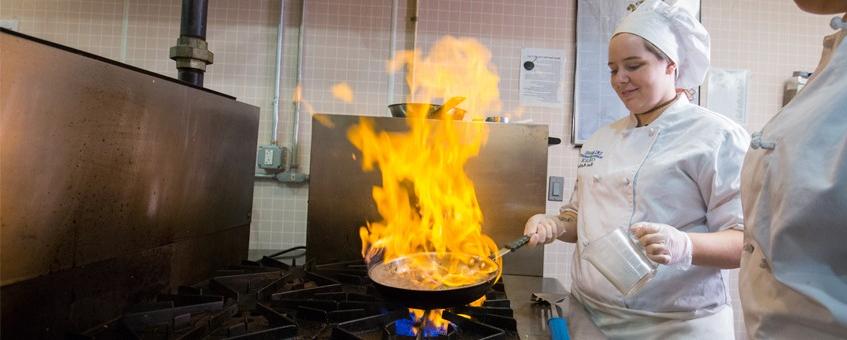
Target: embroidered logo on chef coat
pixel 588 157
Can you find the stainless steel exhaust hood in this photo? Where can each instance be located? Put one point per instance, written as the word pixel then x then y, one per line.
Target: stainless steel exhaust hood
pixel 116 184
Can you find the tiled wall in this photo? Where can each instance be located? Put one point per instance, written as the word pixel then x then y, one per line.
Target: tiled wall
pixel 348 41
pixel 769 38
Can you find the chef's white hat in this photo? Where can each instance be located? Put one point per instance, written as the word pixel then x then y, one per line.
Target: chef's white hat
pixel 676 32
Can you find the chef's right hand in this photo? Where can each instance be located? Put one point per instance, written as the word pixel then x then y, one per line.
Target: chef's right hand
pixel 543 229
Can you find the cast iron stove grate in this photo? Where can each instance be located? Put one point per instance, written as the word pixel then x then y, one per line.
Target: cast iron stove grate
pixel 268 299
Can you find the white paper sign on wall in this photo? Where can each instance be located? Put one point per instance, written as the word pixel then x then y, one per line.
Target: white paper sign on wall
pixel 542 77
pixel 726 93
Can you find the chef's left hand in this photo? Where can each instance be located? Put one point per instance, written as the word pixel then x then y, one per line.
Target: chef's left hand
pixel 664 244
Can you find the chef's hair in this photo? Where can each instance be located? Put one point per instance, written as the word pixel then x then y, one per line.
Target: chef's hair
pixel 662 57
pixel 656 51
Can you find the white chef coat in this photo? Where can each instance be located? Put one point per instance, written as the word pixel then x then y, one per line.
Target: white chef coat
pixel 793 280
pixel 682 170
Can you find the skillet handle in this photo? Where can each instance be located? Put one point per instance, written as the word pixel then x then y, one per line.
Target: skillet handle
pixel 517 243
pixel 558 329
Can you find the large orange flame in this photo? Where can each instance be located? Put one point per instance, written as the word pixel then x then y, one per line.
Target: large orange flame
pixel 427 202
pixel 455 67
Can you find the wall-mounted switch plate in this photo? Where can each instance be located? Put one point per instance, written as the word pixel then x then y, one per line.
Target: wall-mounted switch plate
pixel 555 188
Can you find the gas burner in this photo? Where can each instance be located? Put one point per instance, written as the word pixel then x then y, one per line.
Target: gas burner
pixel 388 326
pixel 268 299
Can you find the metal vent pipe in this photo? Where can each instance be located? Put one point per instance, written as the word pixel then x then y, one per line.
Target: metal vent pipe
pixel 191 52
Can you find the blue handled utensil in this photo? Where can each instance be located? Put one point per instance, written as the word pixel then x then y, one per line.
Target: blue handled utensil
pixel 557 324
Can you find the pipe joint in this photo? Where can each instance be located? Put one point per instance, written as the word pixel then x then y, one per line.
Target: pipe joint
pixel 192 53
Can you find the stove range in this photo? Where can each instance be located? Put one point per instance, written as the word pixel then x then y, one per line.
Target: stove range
pixel 269 299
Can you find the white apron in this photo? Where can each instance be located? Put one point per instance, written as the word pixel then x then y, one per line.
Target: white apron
pixel 683 170
pixel 793 279
pixel 619 324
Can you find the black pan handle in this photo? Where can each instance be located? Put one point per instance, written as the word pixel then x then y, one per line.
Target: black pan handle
pixel 517 243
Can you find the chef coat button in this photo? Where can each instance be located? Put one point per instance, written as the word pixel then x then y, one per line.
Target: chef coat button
pixel 749 247
pixel 764 264
pixel 596 178
pixel 584 244
pixel 652 132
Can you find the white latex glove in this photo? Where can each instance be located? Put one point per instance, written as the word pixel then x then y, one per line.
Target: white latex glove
pixel 543 229
pixel 664 244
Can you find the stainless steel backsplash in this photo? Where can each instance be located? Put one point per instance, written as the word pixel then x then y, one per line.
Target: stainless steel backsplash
pixel 509 176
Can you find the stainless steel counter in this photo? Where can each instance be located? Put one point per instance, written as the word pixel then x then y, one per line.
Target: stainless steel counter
pixel 532 324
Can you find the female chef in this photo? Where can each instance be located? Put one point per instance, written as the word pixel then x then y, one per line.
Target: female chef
pixel 669 173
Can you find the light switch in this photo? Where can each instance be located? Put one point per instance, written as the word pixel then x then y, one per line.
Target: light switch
pixel 554 188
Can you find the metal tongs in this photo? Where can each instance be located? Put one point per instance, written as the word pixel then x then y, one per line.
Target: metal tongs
pixel 556 322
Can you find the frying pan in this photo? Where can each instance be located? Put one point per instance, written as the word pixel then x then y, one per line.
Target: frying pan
pixel 399 289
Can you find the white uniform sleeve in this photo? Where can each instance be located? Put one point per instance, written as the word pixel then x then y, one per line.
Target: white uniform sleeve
pixel 720 181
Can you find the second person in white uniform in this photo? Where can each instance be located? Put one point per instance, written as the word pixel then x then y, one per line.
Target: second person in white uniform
pixel 669 173
pixel 793 278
